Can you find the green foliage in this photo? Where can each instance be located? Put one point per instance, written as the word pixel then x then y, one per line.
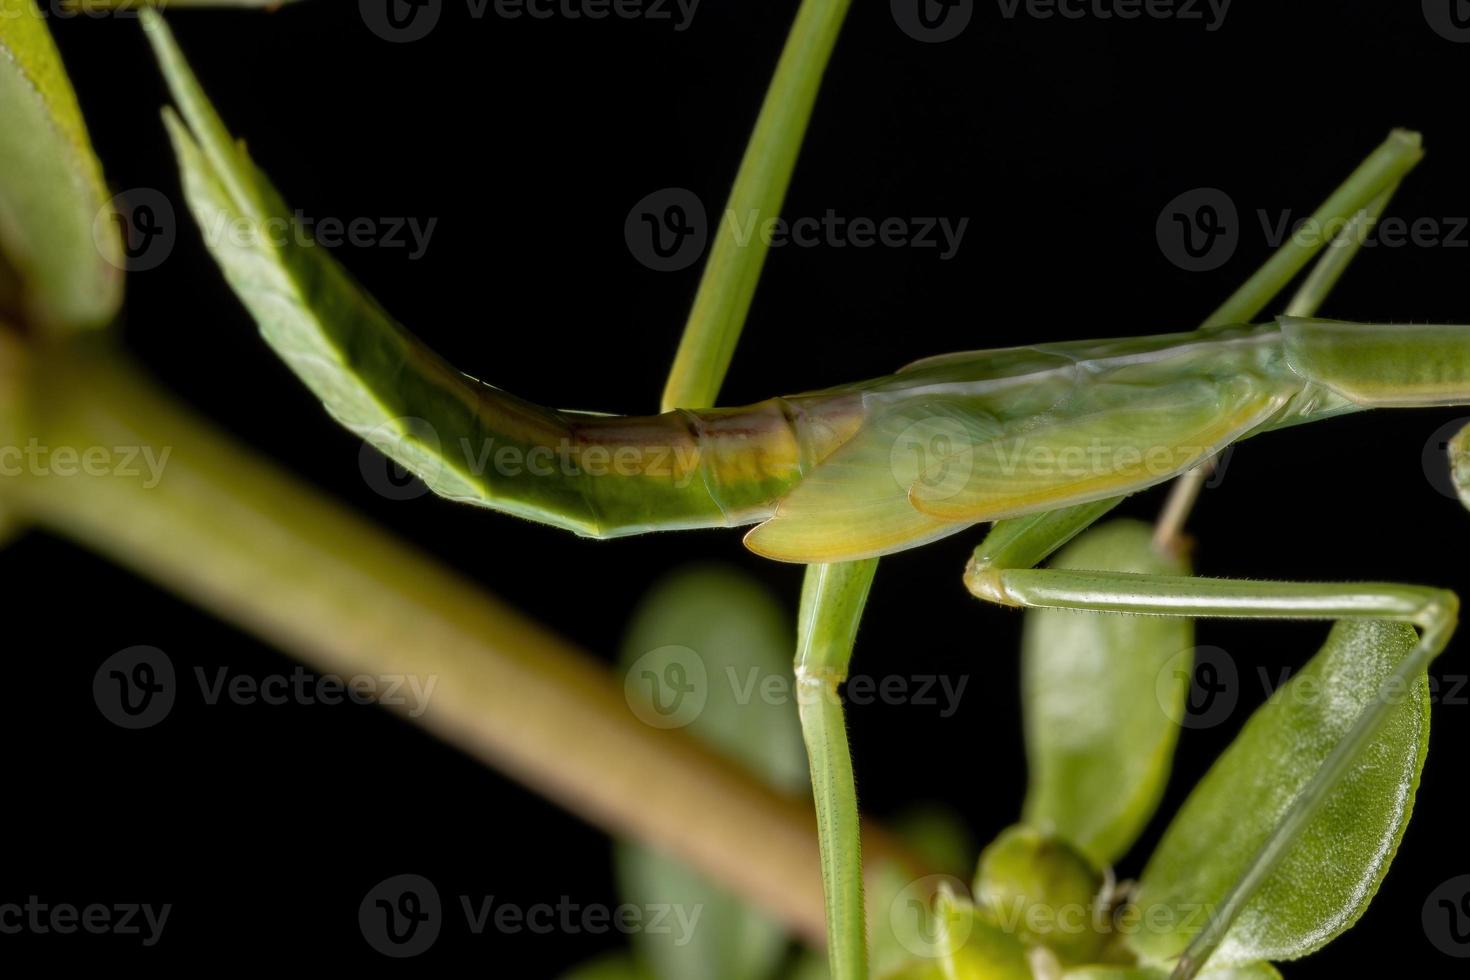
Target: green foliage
pixel 1044 891
pixel 1103 698
pixel 1321 884
pixel 731 641
pixel 61 255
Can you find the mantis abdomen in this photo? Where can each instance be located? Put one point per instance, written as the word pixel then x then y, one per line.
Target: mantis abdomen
pixel 854 472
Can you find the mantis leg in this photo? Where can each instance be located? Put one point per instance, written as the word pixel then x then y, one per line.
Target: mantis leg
pixel 832 601
pixel 1313 292
pixel 1001 573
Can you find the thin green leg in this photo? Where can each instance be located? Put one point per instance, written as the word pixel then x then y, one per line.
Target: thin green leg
pixel 1383 169
pixel 1432 611
pixel 832 601
pixel 1308 299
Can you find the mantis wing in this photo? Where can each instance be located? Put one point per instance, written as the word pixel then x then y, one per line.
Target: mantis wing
pixel 934 460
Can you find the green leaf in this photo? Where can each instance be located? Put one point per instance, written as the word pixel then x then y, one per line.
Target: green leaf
pixel 1325 880
pixel 58 240
pixel 1101 707
pixel 730 642
pixel 371 374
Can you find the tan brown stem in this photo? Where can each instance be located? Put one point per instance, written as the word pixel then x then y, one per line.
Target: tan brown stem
pixel 261 550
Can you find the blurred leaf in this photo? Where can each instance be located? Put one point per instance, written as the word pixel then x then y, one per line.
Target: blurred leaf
pixel 732 642
pixel 52 197
pixel 612 966
pixel 1044 891
pixel 937 836
pixel 1327 877
pixel 810 965
pixel 14 385
pixel 967 946
pixel 1099 742
pixel 942 841
pixel 1247 971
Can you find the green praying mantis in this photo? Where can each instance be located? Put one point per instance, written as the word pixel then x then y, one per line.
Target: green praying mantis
pixel 1041 442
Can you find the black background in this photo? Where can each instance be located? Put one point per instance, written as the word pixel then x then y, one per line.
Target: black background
pixel 530 140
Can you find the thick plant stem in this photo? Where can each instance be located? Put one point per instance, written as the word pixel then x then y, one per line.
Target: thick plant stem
pixel 832 602
pixel 739 250
pixel 263 551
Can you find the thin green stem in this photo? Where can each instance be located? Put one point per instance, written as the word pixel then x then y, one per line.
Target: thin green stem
pixel 739 248
pixel 832 602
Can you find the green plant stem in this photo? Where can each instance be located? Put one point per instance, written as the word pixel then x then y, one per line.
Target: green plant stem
pixel 739 249
pixel 261 550
pixel 832 602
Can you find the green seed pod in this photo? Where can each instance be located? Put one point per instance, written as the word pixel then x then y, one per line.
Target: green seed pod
pixel 1044 891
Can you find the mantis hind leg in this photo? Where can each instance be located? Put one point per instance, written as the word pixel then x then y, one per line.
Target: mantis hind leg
pixel 1001 572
